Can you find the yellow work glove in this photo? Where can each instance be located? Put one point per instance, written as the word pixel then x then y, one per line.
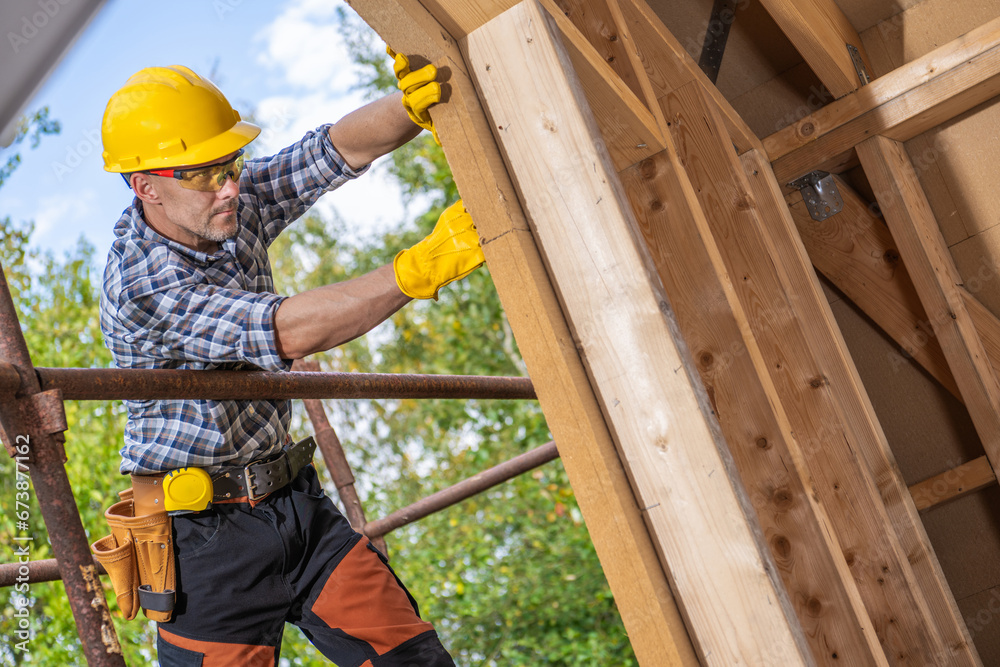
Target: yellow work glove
pixel 420 90
pixel 449 253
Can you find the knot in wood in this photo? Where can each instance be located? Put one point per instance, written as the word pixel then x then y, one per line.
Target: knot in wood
pixel 807 129
pixel 814 607
pixel 890 256
pixel 762 443
pixel 706 359
pixel 656 205
pixel 782 498
pixel 781 547
pixel 647 168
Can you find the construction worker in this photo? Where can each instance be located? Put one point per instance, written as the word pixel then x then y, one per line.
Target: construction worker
pixel 188 286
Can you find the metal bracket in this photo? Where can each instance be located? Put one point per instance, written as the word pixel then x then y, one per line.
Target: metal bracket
pixel 859 64
pixel 820 193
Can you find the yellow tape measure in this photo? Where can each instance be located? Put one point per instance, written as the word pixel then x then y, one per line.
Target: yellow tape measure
pixel 187 490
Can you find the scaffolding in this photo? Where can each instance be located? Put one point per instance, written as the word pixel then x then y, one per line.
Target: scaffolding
pixel 32 411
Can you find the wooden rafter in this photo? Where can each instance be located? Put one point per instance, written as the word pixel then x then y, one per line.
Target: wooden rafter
pixel 821 33
pixel 756 428
pixel 855 251
pixel 810 368
pixel 602 489
pixel 678 464
pixel 669 67
pixel 912 99
pixel 630 130
pixel 937 281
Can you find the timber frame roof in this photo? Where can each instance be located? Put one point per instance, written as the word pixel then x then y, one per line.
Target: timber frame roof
pixel 660 275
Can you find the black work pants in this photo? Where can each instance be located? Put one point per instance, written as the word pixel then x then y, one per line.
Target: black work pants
pixel 245 570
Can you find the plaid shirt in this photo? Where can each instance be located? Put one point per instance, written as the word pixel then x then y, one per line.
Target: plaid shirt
pixel 164 305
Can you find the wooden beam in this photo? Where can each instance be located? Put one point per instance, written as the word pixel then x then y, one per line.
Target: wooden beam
pixel 669 67
pixel 937 281
pixel 679 466
pixel 953 484
pixel 900 105
pixel 601 486
pixel 631 132
pixel 810 368
pixel 821 33
pixel 753 421
pixel 835 371
pixel 855 250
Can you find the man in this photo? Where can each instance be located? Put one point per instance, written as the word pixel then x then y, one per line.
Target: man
pixel 188 285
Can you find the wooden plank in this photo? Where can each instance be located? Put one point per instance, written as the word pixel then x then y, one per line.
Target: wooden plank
pixel 680 468
pixel 669 67
pixel 821 33
pixel 936 279
pixel 855 250
pixel 953 484
pixel 791 322
pixel 631 132
pixel 601 487
pixel 900 105
pixel 753 421
pixel 855 412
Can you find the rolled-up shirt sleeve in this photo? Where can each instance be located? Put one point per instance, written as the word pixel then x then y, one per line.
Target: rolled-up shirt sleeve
pixel 283 186
pixel 206 323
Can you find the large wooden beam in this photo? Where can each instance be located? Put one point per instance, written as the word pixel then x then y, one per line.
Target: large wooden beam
pixel 937 281
pixel 669 67
pixel 822 33
pixel 853 410
pixel 679 465
pixel 601 486
pixel 900 105
pixel 810 369
pixel 755 425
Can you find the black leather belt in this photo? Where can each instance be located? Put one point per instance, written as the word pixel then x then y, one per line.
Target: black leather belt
pixel 259 479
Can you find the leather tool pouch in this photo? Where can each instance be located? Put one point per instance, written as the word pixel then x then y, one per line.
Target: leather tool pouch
pixel 139 558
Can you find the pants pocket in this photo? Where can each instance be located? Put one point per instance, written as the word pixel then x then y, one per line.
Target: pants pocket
pixel 175 656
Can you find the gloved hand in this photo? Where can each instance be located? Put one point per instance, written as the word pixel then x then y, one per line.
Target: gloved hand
pixel 449 253
pixel 420 90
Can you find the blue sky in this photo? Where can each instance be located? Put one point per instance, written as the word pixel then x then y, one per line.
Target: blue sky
pixel 285 60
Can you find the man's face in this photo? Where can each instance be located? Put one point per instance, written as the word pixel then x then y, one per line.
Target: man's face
pixel 199 220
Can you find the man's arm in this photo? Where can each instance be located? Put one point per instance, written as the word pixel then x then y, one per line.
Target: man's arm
pixel 372 131
pixel 332 315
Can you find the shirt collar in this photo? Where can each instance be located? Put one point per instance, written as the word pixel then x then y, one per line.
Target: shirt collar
pixel 147 233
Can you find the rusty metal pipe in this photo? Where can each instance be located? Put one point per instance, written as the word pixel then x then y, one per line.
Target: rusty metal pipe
pixel 36 571
pixel 465 489
pixel 143 384
pixel 37 420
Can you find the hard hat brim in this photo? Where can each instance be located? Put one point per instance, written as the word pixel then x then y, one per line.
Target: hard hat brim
pixel 230 141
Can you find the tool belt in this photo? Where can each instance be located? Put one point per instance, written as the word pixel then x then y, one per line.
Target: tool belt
pixel 139 553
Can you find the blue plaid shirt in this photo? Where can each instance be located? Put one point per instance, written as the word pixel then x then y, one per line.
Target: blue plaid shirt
pixel 164 305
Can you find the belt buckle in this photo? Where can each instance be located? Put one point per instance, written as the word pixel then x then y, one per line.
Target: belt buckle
pixel 248 476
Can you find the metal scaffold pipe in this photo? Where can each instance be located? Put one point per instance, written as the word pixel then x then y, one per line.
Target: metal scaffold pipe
pixel 157 384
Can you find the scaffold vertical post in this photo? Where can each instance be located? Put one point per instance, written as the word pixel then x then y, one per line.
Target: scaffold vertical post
pixel 36 421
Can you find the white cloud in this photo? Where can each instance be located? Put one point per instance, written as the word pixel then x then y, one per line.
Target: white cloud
pixel 304 50
pixel 305 47
pixel 57 219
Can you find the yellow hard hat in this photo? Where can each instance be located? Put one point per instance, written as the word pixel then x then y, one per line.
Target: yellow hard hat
pixel 165 117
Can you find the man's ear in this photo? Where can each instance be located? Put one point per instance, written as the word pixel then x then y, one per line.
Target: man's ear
pixel 144 188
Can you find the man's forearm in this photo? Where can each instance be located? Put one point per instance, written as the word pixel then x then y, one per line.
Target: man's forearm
pixel 332 315
pixel 372 131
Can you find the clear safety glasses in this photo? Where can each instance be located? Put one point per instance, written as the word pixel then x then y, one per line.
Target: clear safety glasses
pixel 205 179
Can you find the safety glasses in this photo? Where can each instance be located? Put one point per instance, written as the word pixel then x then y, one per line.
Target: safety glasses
pixel 205 179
